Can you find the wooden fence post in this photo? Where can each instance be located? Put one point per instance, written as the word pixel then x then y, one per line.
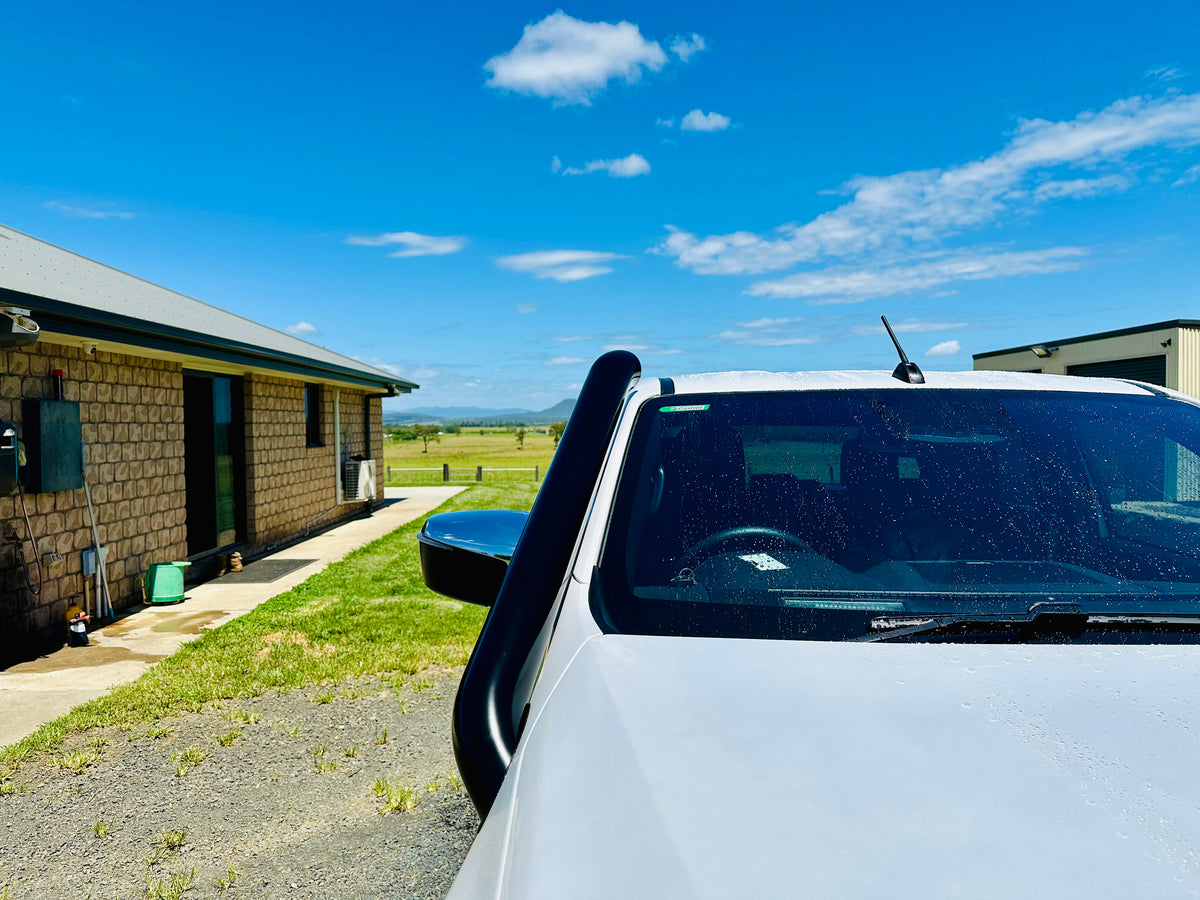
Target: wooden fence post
pixel 479 473
pixel 445 471
pixel 535 473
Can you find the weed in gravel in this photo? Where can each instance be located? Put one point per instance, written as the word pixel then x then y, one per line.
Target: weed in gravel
pixel 78 760
pixel 295 730
pixel 350 752
pixel 188 759
pixel 320 762
pixel 431 787
pixel 101 829
pixel 404 707
pixel 99 742
pixel 158 730
pixel 380 735
pixel 323 697
pixel 172 840
pixel 240 715
pixel 396 796
pixel 125 726
pixel 157 855
pixel 8 787
pixel 228 737
pixel 224 884
pixel 423 682
pixel 353 692
pixel 171 889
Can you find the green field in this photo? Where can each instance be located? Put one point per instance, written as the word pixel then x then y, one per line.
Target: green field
pixel 494 448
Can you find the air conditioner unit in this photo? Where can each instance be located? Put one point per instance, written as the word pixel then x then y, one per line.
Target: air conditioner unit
pixel 358 480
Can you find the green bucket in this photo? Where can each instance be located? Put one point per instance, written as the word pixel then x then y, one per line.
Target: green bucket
pixel 164 582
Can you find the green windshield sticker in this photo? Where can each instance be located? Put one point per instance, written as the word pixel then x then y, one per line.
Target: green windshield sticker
pixel 699 407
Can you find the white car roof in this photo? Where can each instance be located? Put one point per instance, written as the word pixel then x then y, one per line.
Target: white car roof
pixel 720 382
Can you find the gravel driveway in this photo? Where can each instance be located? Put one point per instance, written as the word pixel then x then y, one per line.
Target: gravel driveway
pixel 285 794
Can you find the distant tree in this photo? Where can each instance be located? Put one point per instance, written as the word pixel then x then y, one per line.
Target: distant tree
pixel 426 433
pixel 556 431
pixel 450 429
pixel 520 438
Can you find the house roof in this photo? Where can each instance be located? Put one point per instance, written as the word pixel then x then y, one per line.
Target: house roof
pixel 78 297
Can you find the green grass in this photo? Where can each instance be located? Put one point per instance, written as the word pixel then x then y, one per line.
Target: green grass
pixel 171 889
pixel 468 449
pixel 367 614
pixel 188 759
pixel 397 796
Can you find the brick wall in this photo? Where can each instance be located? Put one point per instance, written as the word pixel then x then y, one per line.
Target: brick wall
pixel 131 411
pixel 290 485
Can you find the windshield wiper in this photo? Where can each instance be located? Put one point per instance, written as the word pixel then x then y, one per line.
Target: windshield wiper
pixel 1041 618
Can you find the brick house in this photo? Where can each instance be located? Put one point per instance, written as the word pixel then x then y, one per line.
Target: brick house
pixel 202 432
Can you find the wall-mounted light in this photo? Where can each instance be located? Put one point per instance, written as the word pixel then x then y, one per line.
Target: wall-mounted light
pixel 1165 344
pixel 1041 351
pixel 16 328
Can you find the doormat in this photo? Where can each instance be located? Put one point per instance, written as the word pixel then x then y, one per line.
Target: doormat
pixel 263 571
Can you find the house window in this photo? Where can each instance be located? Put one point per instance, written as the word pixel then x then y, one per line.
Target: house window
pixel 312 415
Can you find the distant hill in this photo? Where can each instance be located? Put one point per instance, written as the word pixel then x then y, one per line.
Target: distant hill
pixel 479 415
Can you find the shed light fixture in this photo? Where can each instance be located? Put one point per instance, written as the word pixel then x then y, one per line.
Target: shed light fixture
pixel 1041 351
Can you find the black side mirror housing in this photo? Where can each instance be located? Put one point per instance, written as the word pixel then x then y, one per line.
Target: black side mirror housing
pixel 465 555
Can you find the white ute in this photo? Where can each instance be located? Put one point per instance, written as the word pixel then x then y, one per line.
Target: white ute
pixel 839 634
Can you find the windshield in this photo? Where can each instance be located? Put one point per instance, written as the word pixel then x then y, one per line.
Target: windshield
pixel 807 514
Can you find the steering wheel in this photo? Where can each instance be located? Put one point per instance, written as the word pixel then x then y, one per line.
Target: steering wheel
pixel 706 546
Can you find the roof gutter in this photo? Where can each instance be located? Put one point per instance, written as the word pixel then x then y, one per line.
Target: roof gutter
pixel 64 318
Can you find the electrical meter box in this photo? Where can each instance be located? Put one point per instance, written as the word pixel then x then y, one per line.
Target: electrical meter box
pixel 53 445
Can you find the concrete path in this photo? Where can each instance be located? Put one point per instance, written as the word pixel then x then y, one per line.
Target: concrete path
pixel 38 691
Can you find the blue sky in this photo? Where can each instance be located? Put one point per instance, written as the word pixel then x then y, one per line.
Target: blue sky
pixel 484 197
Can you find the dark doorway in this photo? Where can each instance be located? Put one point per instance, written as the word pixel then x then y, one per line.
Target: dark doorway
pixel 1150 369
pixel 214 461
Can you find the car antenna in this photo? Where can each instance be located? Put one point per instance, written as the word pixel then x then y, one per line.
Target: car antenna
pixel 906 371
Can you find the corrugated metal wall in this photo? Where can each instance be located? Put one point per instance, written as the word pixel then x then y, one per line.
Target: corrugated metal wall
pixel 1188 357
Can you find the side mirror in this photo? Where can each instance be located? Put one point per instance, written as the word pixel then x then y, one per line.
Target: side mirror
pixel 464 555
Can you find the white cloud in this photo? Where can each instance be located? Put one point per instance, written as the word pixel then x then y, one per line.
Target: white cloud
pixel 301 328
pixel 1079 187
pixel 665 123
pixel 777 332
pixel 945 348
pixel 908 326
pixel 632 348
pixel 569 61
pixel 560 265
pixel 686 47
pixel 626 167
pixel 566 360
pixel 922 207
pixel 414 244
pixel 1166 73
pixel 525 309
pixel 1190 175
pixel 702 121
pixel 88 211
pixel 571 338
pixel 853 284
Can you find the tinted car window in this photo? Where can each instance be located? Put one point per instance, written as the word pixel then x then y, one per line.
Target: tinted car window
pixel 777 514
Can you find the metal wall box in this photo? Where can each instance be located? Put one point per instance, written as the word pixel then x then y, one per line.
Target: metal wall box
pixel 53 445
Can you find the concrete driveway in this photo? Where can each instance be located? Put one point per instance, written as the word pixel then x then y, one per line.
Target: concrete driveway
pixel 36 692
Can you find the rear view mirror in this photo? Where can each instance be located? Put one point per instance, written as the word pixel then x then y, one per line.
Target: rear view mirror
pixel 464 555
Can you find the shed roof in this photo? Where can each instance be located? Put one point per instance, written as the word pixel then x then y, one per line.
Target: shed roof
pixel 1099 336
pixel 72 295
